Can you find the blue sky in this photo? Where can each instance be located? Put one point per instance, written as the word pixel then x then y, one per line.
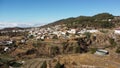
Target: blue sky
pixel 47 11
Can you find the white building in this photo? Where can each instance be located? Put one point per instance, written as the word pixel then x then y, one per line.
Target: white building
pixel 91 31
pixel 6 48
pixel 117 31
pixel 72 31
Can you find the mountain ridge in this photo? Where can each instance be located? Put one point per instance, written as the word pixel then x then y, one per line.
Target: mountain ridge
pixel 101 20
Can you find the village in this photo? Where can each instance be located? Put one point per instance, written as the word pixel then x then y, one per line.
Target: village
pixel 55 32
pixel 54 43
pixel 62 32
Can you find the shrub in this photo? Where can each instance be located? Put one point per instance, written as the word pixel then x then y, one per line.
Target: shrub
pixel 106 25
pixel 77 49
pixel 55 37
pixel 31 36
pixel 3 60
pixel 55 50
pixel 104 31
pixel 112 42
pixel 15 64
pixel 58 65
pixel 31 51
pixel 44 65
pixel 93 50
pixel 118 50
pixel 88 34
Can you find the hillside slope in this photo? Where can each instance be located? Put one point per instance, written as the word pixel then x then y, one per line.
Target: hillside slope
pixel 102 20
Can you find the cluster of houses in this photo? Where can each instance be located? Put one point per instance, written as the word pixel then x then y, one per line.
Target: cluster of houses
pixel 7 42
pixel 8 45
pixel 58 31
pixel 54 32
pixel 66 33
pixel 5 45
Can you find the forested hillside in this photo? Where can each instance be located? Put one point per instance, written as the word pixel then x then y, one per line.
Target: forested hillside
pixel 102 20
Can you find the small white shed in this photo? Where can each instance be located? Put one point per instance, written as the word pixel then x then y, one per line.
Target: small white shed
pixel 101 52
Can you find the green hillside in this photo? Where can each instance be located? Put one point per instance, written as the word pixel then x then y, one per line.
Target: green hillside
pixel 102 20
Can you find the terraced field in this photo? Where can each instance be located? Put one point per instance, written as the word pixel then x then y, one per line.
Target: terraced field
pixel 76 61
pixel 34 63
pixel 88 61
